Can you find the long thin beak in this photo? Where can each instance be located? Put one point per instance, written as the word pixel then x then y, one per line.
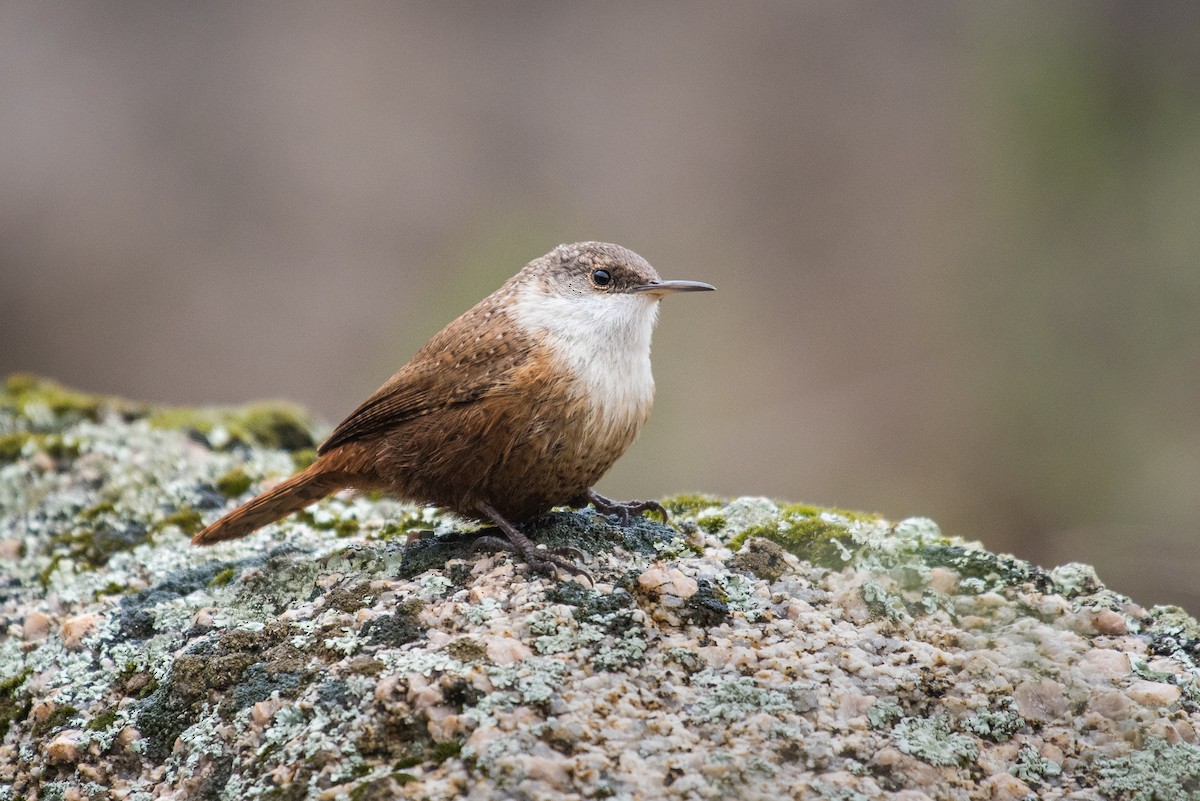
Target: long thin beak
pixel 671 287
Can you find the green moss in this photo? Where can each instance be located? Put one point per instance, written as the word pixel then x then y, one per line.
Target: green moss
pixel 57 719
pixel 22 391
pixel 234 483
pixel 93 512
pixel 270 424
pixel 277 425
pixel 103 721
pixel 187 520
pixel 14 704
pixel 11 446
pixel 53 445
pixel 691 504
pixel 805 534
pixel 43 578
pixel 802 510
pixel 369 791
pixel 59 449
pixel 340 526
pixel 401 529
pixel 443 751
pixel 19 384
pixel 243 666
pixel 197 421
pixel 223 578
pixel 808 510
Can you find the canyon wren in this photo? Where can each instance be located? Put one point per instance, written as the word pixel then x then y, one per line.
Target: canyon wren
pixel 518 406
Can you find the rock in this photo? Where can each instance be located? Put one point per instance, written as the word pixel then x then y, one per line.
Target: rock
pixel 772 651
pixel 669 585
pixel 1153 693
pixel 1108 621
pixel 76 628
pixel 1105 663
pixel 36 626
pixel 64 749
pixel 1040 701
pixel 1004 787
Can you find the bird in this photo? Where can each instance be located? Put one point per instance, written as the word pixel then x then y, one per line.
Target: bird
pixel 518 406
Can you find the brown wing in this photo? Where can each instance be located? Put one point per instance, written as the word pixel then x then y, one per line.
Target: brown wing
pixel 458 366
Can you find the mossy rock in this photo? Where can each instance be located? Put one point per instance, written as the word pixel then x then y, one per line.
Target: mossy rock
pixel 807 534
pixel 48 405
pixel 274 424
pixel 43 406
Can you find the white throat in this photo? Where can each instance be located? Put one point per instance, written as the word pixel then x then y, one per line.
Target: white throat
pixel 605 341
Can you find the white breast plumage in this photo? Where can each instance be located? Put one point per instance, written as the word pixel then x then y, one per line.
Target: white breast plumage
pixel 604 341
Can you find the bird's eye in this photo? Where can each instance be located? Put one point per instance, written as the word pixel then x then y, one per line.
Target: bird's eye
pixel 601 277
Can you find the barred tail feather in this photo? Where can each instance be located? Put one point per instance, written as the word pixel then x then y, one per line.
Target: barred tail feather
pixel 304 488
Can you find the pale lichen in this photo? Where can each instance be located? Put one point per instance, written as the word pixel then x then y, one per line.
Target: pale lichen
pixel 365 649
pixel 931 740
pixel 1159 771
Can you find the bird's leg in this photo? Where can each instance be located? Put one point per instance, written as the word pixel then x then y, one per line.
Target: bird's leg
pixel 541 561
pixel 622 509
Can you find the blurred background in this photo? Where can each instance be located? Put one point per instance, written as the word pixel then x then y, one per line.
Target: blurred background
pixel 957 244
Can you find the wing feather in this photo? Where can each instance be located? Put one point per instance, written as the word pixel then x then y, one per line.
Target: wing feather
pixel 454 368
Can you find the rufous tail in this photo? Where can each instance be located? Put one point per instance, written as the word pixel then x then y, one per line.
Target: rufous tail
pixel 308 486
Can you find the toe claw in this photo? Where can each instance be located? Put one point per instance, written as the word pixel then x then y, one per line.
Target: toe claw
pixel 547 563
pixel 493 542
pixel 625 510
pixel 571 552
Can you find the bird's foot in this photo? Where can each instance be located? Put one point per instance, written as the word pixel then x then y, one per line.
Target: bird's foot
pixel 539 560
pixel 622 509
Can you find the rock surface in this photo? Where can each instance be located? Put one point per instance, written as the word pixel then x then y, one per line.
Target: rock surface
pixel 361 650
